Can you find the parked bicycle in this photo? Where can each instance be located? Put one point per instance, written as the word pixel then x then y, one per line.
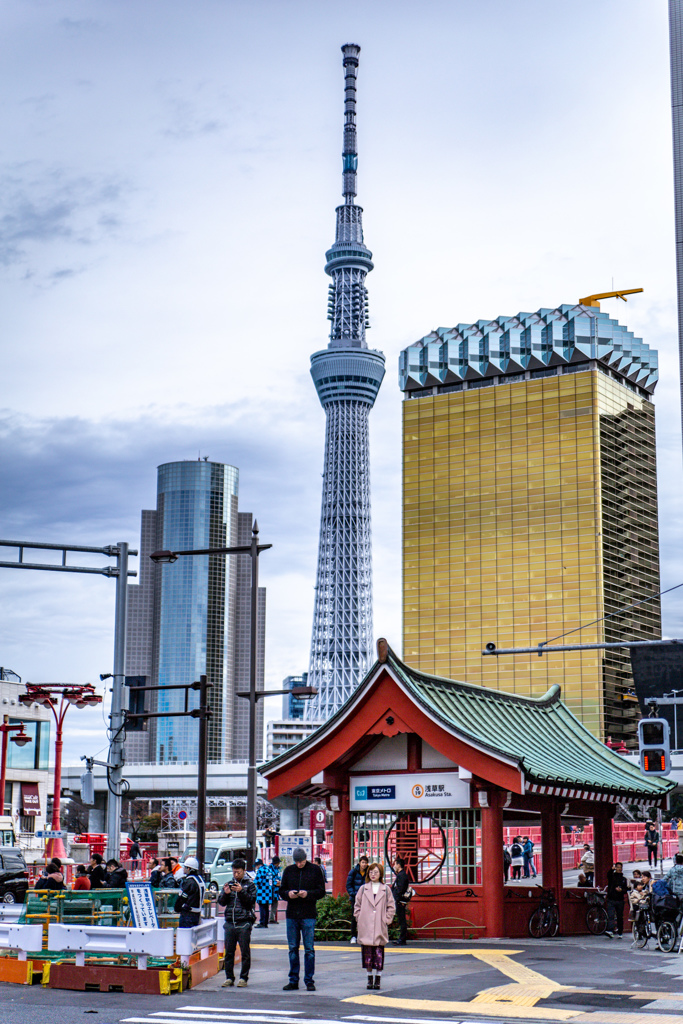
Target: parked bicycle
pixel 669 920
pixel 596 915
pixel 545 920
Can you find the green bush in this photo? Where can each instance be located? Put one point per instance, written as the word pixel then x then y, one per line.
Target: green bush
pixel 334 920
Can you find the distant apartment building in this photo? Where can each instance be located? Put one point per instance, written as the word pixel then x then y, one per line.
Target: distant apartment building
pixel 29 778
pixel 282 736
pixel 193 616
pixel 530 505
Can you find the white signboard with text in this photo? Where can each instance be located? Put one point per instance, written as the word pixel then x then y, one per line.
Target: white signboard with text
pixel 408 792
pixel 141 902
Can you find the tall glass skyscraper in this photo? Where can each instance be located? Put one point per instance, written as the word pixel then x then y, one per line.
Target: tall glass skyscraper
pixel 347 376
pixel 192 617
pixel 530 504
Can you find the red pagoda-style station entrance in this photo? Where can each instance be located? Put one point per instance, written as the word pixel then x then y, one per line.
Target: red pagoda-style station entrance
pixel 428 769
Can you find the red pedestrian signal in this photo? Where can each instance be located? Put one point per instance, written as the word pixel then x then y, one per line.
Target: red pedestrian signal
pixel 654 746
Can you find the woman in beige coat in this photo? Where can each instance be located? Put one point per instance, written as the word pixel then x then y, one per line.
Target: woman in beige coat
pixel 374 911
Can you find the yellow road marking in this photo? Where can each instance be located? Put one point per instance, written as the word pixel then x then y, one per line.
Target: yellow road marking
pixel 492 1009
pixel 389 949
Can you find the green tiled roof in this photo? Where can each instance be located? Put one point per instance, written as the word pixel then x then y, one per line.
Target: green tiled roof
pixel 539 733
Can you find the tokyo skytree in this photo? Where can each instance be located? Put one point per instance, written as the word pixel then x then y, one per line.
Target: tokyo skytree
pixel 347 376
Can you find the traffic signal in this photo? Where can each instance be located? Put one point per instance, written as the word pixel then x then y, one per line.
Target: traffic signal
pixel 654 746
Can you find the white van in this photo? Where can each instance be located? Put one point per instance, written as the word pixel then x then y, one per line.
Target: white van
pixel 218 857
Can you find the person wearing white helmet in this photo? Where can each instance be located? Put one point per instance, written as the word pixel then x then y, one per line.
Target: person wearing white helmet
pixel 191 899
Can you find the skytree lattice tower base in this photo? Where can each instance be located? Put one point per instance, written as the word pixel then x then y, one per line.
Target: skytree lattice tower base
pixel 341 649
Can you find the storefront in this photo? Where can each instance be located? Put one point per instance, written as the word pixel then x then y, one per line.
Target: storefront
pixel 429 769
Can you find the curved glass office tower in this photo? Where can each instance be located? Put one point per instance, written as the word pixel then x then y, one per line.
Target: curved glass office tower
pixel 347 376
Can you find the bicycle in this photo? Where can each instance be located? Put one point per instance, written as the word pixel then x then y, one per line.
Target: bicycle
pixel 596 915
pixel 545 920
pixel 669 929
pixel 644 925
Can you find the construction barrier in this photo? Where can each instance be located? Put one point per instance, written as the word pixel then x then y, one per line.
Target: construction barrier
pixel 81 939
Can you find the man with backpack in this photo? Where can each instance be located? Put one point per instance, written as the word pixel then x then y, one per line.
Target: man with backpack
pixel 517 855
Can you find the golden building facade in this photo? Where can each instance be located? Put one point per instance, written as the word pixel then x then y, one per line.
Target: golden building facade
pixel 530 509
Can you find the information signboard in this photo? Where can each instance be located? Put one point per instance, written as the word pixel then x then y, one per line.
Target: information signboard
pixel 141 902
pixel 408 792
pixel 288 845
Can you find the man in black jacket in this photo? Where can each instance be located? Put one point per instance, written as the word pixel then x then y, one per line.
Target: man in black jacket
pixel 617 887
pixel 238 898
pixel 97 873
pixel 302 885
pixel 116 875
pixel 652 843
pixel 399 888
pixel 191 899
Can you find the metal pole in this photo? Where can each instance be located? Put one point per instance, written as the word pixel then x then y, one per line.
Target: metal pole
pixel 55 847
pixel 3 766
pixel 116 718
pixel 253 649
pixel 201 769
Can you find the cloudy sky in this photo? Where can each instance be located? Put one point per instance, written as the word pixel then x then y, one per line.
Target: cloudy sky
pixel 170 173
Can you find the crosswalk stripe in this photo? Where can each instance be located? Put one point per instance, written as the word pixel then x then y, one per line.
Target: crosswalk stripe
pixel 221 1009
pixel 199 1017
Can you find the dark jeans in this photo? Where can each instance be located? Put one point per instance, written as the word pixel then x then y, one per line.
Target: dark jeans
pixel 296 930
pixel 273 911
pixel 187 919
pixel 354 925
pixel 615 916
pixel 234 934
pixel 529 867
pixel 652 856
pixel 264 912
pixel 402 922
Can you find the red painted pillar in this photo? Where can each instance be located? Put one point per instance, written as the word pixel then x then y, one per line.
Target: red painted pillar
pixel 492 865
pixel 602 842
pixel 341 855
pixel 551 841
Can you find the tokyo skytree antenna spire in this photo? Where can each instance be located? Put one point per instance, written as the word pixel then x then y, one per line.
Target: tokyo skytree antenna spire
pixel 347 376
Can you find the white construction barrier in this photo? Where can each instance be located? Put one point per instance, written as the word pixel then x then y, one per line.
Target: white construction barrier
pixel 189 940
pixel 10 912
pixel 82 939
pixel 25 938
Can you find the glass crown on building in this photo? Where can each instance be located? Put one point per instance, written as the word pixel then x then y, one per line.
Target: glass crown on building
pixel 568 335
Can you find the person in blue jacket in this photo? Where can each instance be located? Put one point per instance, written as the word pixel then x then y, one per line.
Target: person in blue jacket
pixel 276 876
pixel 264 892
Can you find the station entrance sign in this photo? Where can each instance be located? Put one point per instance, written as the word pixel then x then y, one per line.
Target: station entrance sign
pixel 410 791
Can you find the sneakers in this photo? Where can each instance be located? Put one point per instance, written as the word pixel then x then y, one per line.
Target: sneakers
pixel 310 987
pixel 610 935
pixel 354 940
pixel 228 983
pixel 618 936
pixel 290 987
pixel 242 983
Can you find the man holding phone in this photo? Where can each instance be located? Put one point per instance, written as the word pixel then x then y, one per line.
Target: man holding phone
pixel 238 898
pixel 302 885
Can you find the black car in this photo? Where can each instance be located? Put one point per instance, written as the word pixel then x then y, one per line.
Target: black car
pixel 13 875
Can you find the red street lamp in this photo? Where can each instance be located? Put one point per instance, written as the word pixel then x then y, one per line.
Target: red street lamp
pixel 48 694
pixel 21 739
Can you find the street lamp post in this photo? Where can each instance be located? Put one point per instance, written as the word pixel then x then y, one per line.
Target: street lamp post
pixel 21 739
pixel 253 549
pixel 47 694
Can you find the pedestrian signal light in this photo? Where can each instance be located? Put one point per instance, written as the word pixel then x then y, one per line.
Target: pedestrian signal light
pixel 654 746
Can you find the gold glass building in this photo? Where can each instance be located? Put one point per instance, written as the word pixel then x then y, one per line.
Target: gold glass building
pixel 530 504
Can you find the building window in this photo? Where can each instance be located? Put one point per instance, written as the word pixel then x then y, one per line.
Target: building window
pixel 35 755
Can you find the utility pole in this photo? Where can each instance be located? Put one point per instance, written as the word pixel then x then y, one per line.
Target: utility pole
pixel 253 652
pixel 116 717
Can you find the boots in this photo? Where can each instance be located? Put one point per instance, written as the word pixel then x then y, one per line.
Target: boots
pixel 376 985
pixel 371 983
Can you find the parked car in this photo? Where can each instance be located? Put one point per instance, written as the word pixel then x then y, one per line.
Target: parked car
pixel 13 875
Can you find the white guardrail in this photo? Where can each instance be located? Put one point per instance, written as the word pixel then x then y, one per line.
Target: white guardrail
pixel 25 938
pixel 82 939
pixel 189 940
pixel 10 912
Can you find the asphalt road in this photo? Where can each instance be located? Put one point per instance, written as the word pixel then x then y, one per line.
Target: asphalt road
pixel 590 980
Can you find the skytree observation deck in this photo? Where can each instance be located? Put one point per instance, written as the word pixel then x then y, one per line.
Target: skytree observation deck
pixel 347 376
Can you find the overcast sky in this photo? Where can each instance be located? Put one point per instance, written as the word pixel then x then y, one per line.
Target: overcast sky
pixel 170 173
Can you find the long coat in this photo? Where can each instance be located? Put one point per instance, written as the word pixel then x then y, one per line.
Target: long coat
pixel 374 914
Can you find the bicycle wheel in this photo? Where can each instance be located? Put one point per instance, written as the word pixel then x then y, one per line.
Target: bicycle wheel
pixel 666 936
pixel 539 923
pixel 640 935
pixel 553 922
pixel 596 920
